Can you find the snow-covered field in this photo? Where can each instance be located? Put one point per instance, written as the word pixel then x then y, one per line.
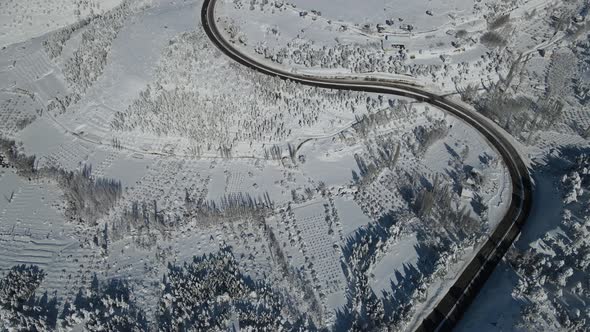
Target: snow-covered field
pixel 169 181
pixel 23 20
pixel 420 32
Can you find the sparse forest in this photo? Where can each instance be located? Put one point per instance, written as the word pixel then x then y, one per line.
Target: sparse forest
pixel 560 267
pixel 213 286
pixel 174 189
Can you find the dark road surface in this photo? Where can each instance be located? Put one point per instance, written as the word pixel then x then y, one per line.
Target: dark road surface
pixel 451 307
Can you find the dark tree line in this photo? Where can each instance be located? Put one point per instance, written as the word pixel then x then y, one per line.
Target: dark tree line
pixel 24 311
pixel 100 307
pixel 10 156
pixel 230 205
pixel 88 198
pixel 208 292
pixel 428 135
pixel 106 306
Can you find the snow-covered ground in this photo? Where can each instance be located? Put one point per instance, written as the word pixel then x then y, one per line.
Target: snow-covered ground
pixel 344 208
pixel 421 31
pixel 23 20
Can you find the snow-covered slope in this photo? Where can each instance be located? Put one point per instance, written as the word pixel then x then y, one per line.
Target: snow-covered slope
pixel 161 166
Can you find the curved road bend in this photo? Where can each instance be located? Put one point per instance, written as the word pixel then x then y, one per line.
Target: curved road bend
pixel 454 303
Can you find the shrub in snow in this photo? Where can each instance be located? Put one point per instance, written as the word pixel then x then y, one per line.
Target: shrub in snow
pixel 498 22
pixel 492 39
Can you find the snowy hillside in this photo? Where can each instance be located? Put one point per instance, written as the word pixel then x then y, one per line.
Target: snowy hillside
pixel 150 183
pixel 23 20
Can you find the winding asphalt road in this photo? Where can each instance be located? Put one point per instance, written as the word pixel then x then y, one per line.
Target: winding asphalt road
pixel 451 307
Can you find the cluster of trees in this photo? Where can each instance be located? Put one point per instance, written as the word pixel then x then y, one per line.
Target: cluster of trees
pixel 492 39
pixel 441 234
pixel 24 121
pixel 559 268
pixel 357 57
pixel 497 22
pixel 366 59
pixel 332 218
pixel 393 309
pixel 383 153
pixel 11 156
pixel 59 104
pixel 512 113
pixel 428 135
pixel 262 4
pixel 364 310
pixel 577 180
pixel 544 281
pixel 581 84
pixel 88 198
pixel 276 153
pixel 89 59
pixel 444 229
pixel 100 307
pixel 145 222
pixel 436 202
pixel 177 112
pixel 306 279
pixel 18 111
pixel 375 186
pixel 270 111
pixel 560 17
pixel 384 113
pixel 20 308
pixel 230 206
pixel 289 221
pixel 373 200
pixel 524 115
pixel 516 113
pixel 210 292
pixel 56 40
pixel 104 307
